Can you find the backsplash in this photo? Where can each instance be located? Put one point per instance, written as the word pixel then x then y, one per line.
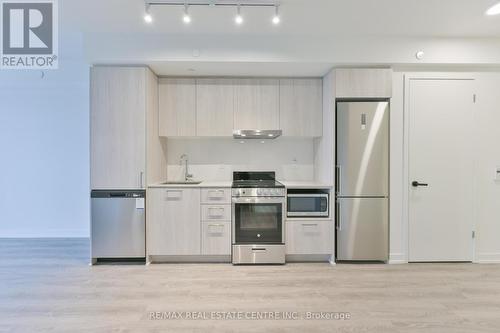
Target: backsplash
pixel 217 158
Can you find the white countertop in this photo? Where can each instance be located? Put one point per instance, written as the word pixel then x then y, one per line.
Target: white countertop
pixel 227 183
pixel 305 184
pixel 211 183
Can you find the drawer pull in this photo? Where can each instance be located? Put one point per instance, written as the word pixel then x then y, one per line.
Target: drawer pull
pixel 215 212
pixel 173 195
pixel 216 194
pixel 309 224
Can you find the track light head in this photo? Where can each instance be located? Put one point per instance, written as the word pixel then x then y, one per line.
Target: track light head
pixel 276 18
pixel 238 18
pixel 186 18
pixel 148 18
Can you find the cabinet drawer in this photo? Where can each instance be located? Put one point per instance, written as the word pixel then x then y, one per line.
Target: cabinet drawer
pixel 216 195
pixel 309 237
pixel 216 212
pixel 216 238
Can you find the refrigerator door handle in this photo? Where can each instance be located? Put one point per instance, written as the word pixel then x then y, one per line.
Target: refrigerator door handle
pixel 338 225
pixel 337 178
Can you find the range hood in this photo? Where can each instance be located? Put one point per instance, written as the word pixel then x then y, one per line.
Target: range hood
pixel 256 134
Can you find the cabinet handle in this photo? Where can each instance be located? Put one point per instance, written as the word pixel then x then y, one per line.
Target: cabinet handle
pixel 218 209
pixel 216 225
pixel 216 194
pixel 309 224
pixel 141 176
pixel 174 195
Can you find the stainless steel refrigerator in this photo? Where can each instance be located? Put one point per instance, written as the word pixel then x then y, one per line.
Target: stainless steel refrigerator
pixel 362 180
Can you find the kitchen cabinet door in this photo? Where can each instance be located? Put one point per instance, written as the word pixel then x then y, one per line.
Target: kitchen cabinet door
pixel 214 107
pixel 117 127
pixel 173 221
pixel 216 238
pixel 363 83
pixel 256 104
pixel 177 107
pixel 309 237
pixel 301 107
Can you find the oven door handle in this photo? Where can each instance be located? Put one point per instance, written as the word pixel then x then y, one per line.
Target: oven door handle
pixel 259 249
pixel 257 200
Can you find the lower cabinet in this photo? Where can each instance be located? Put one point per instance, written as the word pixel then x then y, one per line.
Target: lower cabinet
pixel 309 237
pixel 173 221
pixel 215 238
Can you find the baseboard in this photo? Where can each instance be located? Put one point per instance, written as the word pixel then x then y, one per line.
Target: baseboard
pixel 488 258
pixel 397 258
pixel 307 258
pixel 45 233
pixel 189 259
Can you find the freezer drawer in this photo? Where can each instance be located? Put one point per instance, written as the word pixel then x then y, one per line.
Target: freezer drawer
pixel 362 149
pixel 362 229
pixel 118 224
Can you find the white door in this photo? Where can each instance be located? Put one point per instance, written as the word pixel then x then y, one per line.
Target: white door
pixel 440 159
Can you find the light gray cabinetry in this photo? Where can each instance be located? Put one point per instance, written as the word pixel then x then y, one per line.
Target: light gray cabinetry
pixel 173 221
pixel 309 237
pixel 256 104
pixel 177 110
pixel 118 127
pixel 214 107
pixel 301 107
pixel 216 238
pixel 216 221
pixel 363 83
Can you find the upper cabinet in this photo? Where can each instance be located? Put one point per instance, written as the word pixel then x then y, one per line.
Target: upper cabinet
pixel 214 107
pixel 205 107
pixel 301 107
pixel 123 128
pixel 363 83
pixel 177 105
pixel 256 104
pixel 117 127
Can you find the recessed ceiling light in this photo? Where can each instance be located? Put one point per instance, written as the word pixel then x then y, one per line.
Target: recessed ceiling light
pixel 276 18
pixel 493 10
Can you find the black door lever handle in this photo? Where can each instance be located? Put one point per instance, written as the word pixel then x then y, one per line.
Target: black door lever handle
pixel 417 184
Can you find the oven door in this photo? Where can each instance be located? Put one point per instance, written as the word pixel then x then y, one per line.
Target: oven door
pixel 307 205
pixel 258 220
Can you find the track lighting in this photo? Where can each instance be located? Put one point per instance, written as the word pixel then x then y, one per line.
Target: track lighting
pixel 493 10
pixel 276 17
pixel 238 18
pixel 147 15
pixel 186 18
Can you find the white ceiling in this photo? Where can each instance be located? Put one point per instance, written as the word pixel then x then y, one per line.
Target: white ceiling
pixel 313 35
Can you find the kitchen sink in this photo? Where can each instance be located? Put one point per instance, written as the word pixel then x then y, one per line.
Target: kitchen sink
pixel 182 182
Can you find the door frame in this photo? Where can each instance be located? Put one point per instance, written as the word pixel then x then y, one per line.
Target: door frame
pixel 407 78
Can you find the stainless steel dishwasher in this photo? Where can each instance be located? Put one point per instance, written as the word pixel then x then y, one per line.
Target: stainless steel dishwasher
pixel 118 227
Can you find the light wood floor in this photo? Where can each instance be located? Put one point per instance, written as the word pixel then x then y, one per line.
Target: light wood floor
pixel 47 286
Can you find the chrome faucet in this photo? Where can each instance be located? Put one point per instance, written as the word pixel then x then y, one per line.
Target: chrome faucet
pixel 187 175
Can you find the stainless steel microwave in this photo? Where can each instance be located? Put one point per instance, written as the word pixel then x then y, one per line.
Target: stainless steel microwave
pixel 307 203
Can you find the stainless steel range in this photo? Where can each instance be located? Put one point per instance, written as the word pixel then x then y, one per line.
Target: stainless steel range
pixel 258 212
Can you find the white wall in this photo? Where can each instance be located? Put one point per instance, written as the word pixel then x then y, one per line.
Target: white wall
pixel 487 158
pixel 217 158
pixel 44 169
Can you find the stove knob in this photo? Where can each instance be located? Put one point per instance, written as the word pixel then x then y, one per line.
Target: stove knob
pixel 259 191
